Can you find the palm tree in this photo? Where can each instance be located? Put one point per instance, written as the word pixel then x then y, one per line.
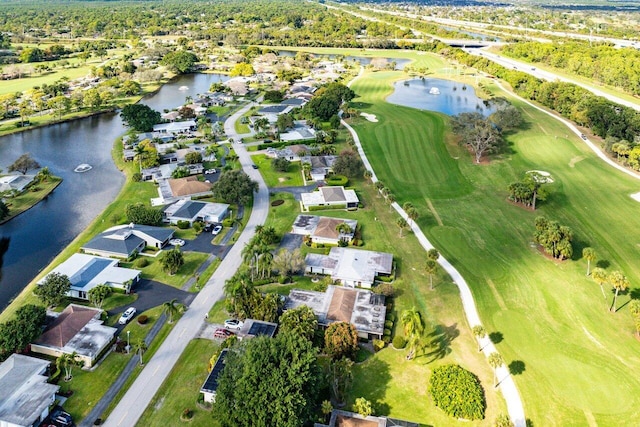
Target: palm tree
pixel 413 329
pixel 379 186
pixel 431 267
pixel 170 308
pixel 433 254
pixel 590 255
pixel 368 175
pixel 413 214
pixel 479 332
pixel 140 153
pixel 139 348
pixel 402 223
pixel 407 205
pixel 391 199
pixel 495 361
pixel 600 277
pixel 66 362
pixel 343 228
pixel 620 283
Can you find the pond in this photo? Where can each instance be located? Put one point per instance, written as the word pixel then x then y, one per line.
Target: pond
pixel 30 241
pixel 444 96
pixel 362 60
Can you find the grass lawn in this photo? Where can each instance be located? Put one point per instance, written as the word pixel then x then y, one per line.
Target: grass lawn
pixel 153 271
pixel 273 178
pixel 181 389
pixel 544 314
pixel 29 198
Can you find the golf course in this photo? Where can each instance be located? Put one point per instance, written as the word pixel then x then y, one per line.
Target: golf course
pixel 574 361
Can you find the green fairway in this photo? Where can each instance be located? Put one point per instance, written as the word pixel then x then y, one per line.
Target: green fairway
pixel 579 359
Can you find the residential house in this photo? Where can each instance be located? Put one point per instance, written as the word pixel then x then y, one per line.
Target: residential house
pixel 171 190
pixel 171 116
pixel 330 197
pixel 189 210
pixel 352 267
pixel 364 309
pixel 321 166
pixel 210 385
pixel 293 153
pixel 25 395
pixel 158 173
pixel 349 419
pixel 15 182
pixel 88 271
pixel 175 128
pixel 294 102
pixel 252 328
pixel 122 241
pixel 324 230
pixel 271 112
pixel 301 131
pixel 79 330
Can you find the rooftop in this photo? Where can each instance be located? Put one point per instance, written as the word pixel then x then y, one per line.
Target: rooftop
pixel 187 186
pixel 211 383
pixel 258 328
pixel 274 109
pixel 190 209
pixel 335 195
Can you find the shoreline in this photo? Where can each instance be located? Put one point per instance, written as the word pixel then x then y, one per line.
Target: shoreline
pixel 44 196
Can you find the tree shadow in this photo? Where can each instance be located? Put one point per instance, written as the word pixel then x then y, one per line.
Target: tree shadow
pixel 439 341
pixel 516 367
pixel 603 263
pixel 372 387
pixel 578 245
pixel 634 293
pixel 496 337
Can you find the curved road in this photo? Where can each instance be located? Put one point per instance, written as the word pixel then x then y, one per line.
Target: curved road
pixel 135 401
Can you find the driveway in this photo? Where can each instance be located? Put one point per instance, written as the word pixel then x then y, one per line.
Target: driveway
pixel 290 242
pixel 202 243
pixel 296 191
pixel 152 294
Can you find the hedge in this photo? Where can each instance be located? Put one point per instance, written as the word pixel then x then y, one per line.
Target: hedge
pixel 399 342
pixel 337 180
pixel 457 392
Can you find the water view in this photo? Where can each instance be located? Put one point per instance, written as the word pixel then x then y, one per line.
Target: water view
pixel 439 95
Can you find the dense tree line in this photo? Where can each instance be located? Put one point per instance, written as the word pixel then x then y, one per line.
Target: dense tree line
pixel 457 392
pixel 17 333
pixel 554 238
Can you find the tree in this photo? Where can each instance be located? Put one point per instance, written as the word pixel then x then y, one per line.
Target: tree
pixel 300 320
pixel 242 69
pixel 341 340
pixel 186 112
pixel 138 213
pixel 234 187
pixel 140 117
pixel 534 182
pixel 193 157
pixel 139 348
pixel 23 164
pixel 172 260
pixel 431 267
pixel 179 62
pixel 171 309
pixel 24 328
pixel 413 330
pixel 457 392
pixel 479 332
pixel 433 254
pixel 507 117
pixel 98 294
pixel 340 378
pixel 599 275
pixel 413 215
pixel 273 96
pixel 286 262
pixel 554 238
pixel 402 224
pixel 368 174
pixel 66 362
pixel 4 210
pixel 348 164
pixel 590 255
pixel 43 174
pixel 619 282
pixel 284 122
pixel 268 382
pixel 477 133
pixel 53 289
pixel 503 420
pixel 495 361
pixel 280 164
pixel 362 407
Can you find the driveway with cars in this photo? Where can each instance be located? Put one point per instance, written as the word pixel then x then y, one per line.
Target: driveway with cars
pixel 202 243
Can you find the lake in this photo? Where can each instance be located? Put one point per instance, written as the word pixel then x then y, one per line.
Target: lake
pixel 444 96
pixel 30 241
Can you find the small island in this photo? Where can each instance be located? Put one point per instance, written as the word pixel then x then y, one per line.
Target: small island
pixel 19 192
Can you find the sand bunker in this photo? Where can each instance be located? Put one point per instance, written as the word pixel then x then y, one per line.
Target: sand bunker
pixel 636 197
pixel 370 117
pixel 543 176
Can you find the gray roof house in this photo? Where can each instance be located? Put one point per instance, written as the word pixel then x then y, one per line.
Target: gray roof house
pixel 88 271
pixel 353 267
pixel 189 210
pixel 77 329
pixel 300 132
pixel 364 309
pixel 331 197
pixel 323 229
pixel 15 182
pixel 271 112
pixel 320 166
pixel 122 240
pixel 25 395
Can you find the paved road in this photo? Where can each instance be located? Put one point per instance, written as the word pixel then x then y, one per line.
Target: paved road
pixel 135 401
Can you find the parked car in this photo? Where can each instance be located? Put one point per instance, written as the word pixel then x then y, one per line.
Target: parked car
pixel 60 418
pixel 210 171
pixel 127 315
pixel 207 227
pixel 254 166
pixel 216 230
pixel 233 324
pixel 222 333
pixel 176 242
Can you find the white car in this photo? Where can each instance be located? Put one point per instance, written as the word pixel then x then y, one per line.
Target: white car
pixel 127 315
pixel 233 324
pixel 210 171
pixel 216 230
pixel 176 242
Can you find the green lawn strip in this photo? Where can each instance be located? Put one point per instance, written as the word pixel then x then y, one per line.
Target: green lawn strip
pixel 205 276
pixel 181 388
pixel 30 197
pixel 153 271
pixel 240 127
pixel 551 317
pixel 273 178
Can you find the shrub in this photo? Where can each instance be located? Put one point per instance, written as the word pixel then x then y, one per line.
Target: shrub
pixel 143 319
pixel 227 222
pixel 136 177
pixel 378 345
pixel 387 290
pixel 277 202
pixel 387 331
pixel 388 324
pixel 399 342
pixel 457 392
pixel 142 262
pixel 386 339
pixel 391 317
pixel 183 225
pixel 339 180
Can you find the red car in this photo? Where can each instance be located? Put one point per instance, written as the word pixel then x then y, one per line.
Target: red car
pixel 222 333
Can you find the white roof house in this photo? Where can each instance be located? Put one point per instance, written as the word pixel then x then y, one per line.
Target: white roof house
pixel 189 210
pixel 25 395
pixel 88 271
pixel 336 197
pixel 323 229
pixel 174 128
pixel 300 132
pixel 353 267
pixel 15 182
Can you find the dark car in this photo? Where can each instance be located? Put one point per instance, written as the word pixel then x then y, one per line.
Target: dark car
pixel 254 166
pixel 60 418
